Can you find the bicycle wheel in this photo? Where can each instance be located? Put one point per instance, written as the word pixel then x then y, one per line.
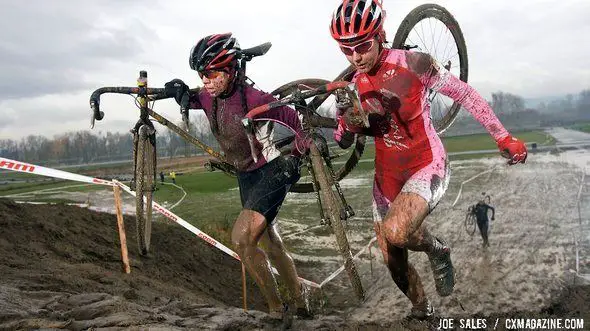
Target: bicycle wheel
pixel 331 205
pixel 144 180
pixel 470 223
pixel 425 28
pixel 351 159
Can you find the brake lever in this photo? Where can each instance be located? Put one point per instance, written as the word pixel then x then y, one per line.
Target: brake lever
pixel 184 106
pixel 96 114
pixel 249 127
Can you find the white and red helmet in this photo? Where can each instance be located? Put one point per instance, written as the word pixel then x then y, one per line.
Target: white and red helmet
pixel 355 21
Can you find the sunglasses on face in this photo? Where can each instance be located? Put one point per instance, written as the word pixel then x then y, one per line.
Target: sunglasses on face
pixel 210 74
pixel 361 48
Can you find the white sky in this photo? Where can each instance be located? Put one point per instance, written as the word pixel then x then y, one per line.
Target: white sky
pixel 53 54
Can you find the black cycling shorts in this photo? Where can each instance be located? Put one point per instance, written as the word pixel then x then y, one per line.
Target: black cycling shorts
pixel 264 189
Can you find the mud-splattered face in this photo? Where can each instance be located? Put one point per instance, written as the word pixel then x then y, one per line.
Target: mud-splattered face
pixel 362 56
pixel 215 82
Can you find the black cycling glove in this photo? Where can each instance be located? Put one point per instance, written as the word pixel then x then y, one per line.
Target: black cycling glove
pixel 176 89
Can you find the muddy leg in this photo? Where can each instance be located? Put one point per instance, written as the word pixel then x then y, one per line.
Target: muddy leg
pixel 403 273
pixel 403 223
pixel 284 263
pixel 402 227
pixel 246 233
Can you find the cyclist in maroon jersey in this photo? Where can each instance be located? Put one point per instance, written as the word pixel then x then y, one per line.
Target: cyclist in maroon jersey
pixel 264 181
pixel 411 164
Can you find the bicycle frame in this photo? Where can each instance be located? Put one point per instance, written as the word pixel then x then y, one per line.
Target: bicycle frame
pixel 310 121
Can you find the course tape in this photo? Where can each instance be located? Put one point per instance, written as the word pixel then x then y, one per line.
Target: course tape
pixel 468 180
pixel 18 166
pixel 339 270
pixel 208 239
pixel 39 170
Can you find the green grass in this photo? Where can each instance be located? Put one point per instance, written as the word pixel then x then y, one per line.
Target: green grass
pixel 212 204
pixel 466 143
pixel 9 189
pixel 485 141
pixel 584 127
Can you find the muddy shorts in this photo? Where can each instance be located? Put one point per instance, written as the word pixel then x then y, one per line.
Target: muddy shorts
pixel 264 189
pixel 430 183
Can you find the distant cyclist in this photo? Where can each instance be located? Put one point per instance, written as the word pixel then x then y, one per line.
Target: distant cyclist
pixel 264 182
pixel 411 165
pixel 481 215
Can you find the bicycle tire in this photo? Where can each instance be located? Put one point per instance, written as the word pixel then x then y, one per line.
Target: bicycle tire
pixel 360 140
pixel 443 15
pixel 470 223
pixel 333 211
pixel 144 174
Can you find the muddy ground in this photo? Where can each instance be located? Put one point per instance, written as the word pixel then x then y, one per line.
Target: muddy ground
pixel 60 265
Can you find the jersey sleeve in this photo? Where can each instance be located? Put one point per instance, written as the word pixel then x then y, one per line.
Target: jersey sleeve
pixel 195 101
pixel 442 81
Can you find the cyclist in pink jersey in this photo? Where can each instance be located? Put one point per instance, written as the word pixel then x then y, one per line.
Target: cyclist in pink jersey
pixel 411 164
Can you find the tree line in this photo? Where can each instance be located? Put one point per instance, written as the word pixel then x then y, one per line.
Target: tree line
pixel 84 146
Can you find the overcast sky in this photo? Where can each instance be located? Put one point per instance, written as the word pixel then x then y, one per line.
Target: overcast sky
pixel 53 54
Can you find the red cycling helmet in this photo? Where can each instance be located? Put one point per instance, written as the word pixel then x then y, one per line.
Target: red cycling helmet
pixel 355 21
pixel 214 52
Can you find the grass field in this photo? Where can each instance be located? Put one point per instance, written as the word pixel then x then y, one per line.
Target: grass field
pixel 476 142
pixel 212 201
pixel 584 127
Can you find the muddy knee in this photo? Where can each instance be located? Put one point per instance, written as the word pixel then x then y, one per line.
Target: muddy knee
pixel 242 241
pixel 395 235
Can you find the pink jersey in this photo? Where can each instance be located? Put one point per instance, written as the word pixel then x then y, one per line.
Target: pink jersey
pixel 409 153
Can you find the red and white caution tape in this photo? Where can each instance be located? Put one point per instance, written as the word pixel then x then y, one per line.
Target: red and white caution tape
pixel 467 181
pixel 339 270
pixel 177 219
pixel 13 165
pixel 39 170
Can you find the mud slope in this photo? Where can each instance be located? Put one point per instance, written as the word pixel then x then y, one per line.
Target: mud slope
pixel 60 269
pixel 52 258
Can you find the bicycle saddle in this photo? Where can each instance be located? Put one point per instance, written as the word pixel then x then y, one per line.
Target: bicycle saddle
pixel 256 50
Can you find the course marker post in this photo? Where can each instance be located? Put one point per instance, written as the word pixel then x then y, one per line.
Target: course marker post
pixel 244 286
pixel 121 227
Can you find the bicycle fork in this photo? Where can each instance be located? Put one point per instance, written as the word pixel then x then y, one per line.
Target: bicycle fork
pixel 151 138
pixel 316 189
pixel 348 211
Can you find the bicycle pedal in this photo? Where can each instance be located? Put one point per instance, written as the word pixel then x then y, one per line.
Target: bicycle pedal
pixel 349 211
pixel 343 215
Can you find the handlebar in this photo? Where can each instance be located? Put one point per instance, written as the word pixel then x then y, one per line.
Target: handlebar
pixel 153 94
